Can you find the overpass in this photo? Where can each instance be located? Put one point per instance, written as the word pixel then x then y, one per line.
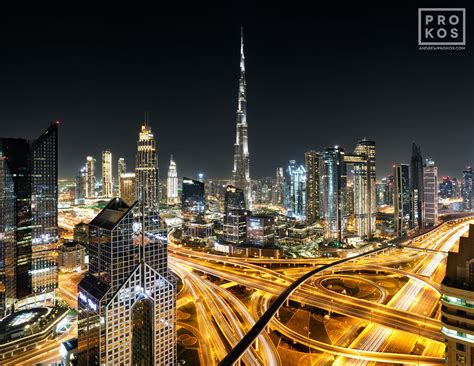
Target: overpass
pixel 240 348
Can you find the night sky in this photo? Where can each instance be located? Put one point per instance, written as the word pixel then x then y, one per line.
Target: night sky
pixel 332 77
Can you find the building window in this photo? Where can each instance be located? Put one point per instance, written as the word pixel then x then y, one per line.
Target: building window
pixel 460 347
pixel 460 358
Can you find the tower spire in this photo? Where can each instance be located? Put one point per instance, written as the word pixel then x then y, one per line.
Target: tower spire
pixel 242 56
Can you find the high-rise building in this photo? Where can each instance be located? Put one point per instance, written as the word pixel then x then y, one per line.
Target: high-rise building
pixel 172 183
pixel 296 190
pixel 234 199
pixel 106 173
pixel 146 170
pixel 457 303
pixel 193 200
pixel 334 193
pixel 7 239
pixel 241 170
pixel 235 226
pixel 401 198
pixel 365 207
pixel 80 189
pixel 126 301
pixel 90 177
pixel 381 192
pixel 127 187
pixel 446 189
pixel 278 190
pixel 260 230
pixel 313 173
pixel 33 167
pixel 389 190
pixel 430 191
pixel 467 188
pixel 416 185
pixel 121 167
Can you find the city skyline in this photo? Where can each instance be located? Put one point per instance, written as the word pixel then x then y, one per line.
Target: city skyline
pixel 318 93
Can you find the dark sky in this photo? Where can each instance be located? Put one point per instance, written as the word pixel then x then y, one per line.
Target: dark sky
pixel 331 77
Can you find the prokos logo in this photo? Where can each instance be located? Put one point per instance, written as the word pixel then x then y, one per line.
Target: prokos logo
pixel 442 27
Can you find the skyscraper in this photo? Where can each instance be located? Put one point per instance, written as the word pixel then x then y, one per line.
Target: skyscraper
pixel 467 188
pixel 146 170
pixel 313 163
pixel 90 177
pixel 430 191
pixel 296 190
pixel 126 301
pixel 106 173
pixel 334 193
pixel 365 207
pixel 7 239
pixel 401 198
pixel 172 183
pixel 127 187
pixel 121 167
pixel 193 203
pixel 416 185
pixel 234 199
pixel 80 188
pixel 278 190
pixel 241 171
pixel 34 171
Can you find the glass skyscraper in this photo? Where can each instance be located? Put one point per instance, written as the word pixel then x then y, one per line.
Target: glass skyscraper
pixel 296 190
pixel 401 198
pixel 313 173
pixel 416 185
pixel 193 203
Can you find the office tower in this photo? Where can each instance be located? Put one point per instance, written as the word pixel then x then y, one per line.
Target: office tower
pixel 80 188
pixel 121 167
pixel 193 202
pixel 430 191
pixel 7 239
pixel 90 177
pixel 127 187
pixel 467 188
pixel 416 185
pixel 34 170
pixel 365 208
pixel 401 198
pixel 446 190
pixel 296 190
pixel 146 170
pixel 278 191
pixel 172 183
pixel 260 230
pixel 456 188
pixel 235 226
pixel 106 173
pixel 234 199
pixel 126 301
pixel 334 193
pixel 457 303
pixel 313 164
pixel 381 192
pixel 241 171
pixel 389 189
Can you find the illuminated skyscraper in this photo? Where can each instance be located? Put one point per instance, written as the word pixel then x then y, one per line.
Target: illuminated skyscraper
pixel 234 199
pixel 278 190
pixel 401 198
pixel 7 239
pixel 146 170
pixel 193 202
pixel 467 188
pixel 365 205
pixel 430 191
pixel 80 189
pixel 106 173
pixel 416 185
pixel 241 171
pixel 121 167
pixel 127 187
pixel 172 183
pixel 90 177
pixel 296 190
pixel 334 193
pixel 313 165
pixel 33 167
pixel 127 300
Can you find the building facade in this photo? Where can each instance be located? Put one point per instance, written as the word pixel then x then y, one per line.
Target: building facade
pixel 172 183
pixel 430 191
pixel 90 177
pixel 417 186
pixel 296 190
pixel 127 300
pixel 127 187
pixel 107 187
pixel 467 188
pixel 241 170
pixel 193 200
pixel 313 176
pixel 401 198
